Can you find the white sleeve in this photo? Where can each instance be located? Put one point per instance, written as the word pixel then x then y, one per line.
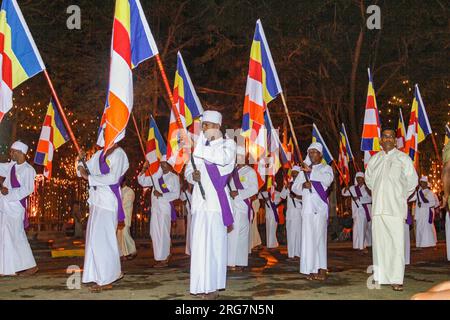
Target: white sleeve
pixel 297 186
pixel 116 171
pixel 250 187
pixel 173 184
pixel 188 173
pixel 26 187
pixel 4 167
pixel 369 175
pixel 222 157
pixel 410 175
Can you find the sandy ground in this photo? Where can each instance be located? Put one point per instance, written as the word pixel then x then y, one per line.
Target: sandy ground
pixel 270 276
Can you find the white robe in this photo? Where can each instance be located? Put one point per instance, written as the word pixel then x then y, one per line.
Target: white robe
pixel 314 219
pixel 126 242
pixel 238 237
pixel 407 245
pixel 271 223
pixel 392 179
pixel 254 238
pixel 187 207
pixel 425 231
pixel 447 233
pixel 293 223
pixel 360 223
pixel 160 219
pixel 208 270
pixel 15 251
pixel 102 257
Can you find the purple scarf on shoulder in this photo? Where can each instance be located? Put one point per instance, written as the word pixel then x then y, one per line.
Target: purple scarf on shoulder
pixel 239 186
pixel 164 189
pixel 115 188
pixel 317 185
pixel 16 184
pixel 421 197
pixel 364 205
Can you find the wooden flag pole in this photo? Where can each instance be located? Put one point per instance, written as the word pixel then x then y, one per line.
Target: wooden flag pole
pixel 142 145
pixel 435 147
pixel 177 115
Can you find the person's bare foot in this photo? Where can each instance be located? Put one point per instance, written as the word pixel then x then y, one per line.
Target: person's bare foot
pixel 29 272
pixel 397 287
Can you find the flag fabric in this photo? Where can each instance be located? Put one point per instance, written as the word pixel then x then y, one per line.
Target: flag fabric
pixel 317 137
pixel 344 157
pixel 156 147
pixel 447 134
pixel 347 144
pixel 418 126
pixel 132 43
pixel 189 107
pixel 53 136
pixel 19 56
pixel 401 132
pixel 371 128
pixel 273 146
pixel 262 87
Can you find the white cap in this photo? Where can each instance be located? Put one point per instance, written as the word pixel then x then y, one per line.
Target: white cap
pixel 424 179
pixel 316 146
pixel 163 158
pixel 295 168
pixel 20 146
pixel 212 116
pixel 359 175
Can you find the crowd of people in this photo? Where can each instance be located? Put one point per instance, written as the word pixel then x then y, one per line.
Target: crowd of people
pixel 220 194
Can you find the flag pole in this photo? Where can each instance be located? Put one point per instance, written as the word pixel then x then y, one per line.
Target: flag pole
pixel 346 184
pixel 141 143
pixel 64 118
pixel 177 115
pixel 435 147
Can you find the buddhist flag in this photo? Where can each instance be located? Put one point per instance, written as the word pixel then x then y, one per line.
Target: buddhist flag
pixel 132 43
pixel 401 132
pixel 53 136
pixel 19 56
pixel 344 157
pixel 262 87
pixel 317 137
pixel 189 107
pixel 156 147
pixel 418 127
pixel 447 134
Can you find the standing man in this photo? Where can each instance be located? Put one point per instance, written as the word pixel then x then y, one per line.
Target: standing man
pixel 293 217
pixel 211 164
pixel 392 178
pixel 127 246
pixel 243 186
pixel 314 191
pixel 18 185
pixel 106 215
pixel 426 201
pixel 446 198
pixel 361 211
pixel 166 189
pixel 272 217
pixel 186 198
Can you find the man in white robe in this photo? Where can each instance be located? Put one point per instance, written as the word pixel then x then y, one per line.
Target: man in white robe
pixel 186 198
pixel 446 198
pixel 243 185
pixel 106 215
pixel 272 217
pixel 16 256
pixel 425 204
pixel 361 211
pixel 314 191
pixel 254 239
pixel 391 176
pixel 214 159
pixel 127 245
pixel 293 217
pixel 166 189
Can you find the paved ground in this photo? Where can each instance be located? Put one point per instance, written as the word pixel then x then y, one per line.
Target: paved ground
pixel 270 277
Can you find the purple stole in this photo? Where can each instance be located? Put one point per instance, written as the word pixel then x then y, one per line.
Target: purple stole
pixel 115 188
pixel 421 196
pixel 364 205
pixel 173 212
pixel 272 205
pixel 239 186
pixel 323 194
pixel 16 184
pixel 409 219
pixel 219 182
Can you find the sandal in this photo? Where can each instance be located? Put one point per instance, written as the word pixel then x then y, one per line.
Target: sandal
pixel 310 277
pixel 97 288
pixel 397 287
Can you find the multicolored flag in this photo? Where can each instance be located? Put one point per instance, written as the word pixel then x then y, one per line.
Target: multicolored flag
pixel 189 107
pixel 132 43
pixel 19 57
pixel 156 148
pixel 262 87
pixel 401 132
pixel 370 141
pixel 53 136
pixel 418 127
pixel 447 134
pixel 344 157
pixel 317 137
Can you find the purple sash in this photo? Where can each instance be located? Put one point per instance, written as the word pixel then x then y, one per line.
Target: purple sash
pixel 272 205
pixel 219 182
pixel 173 212
pixel 239 186
pixel 421 197
pixel 409 219
pixel 115 188
pixel 323 194
pixel 16 184
pixel 364 205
